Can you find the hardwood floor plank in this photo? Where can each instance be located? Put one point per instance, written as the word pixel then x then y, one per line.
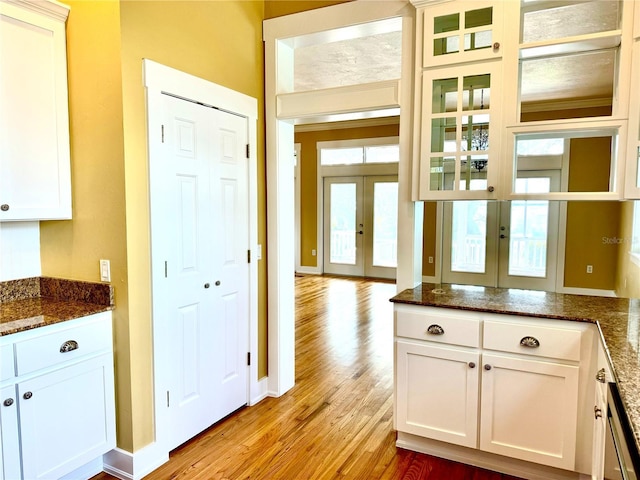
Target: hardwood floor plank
pixel 337 422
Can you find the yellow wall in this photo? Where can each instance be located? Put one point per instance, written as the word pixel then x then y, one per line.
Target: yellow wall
pixel 72 249
pixel 107 40
pixel 628 278
pixel 278 8
pixel 429 239
pixel 588 223
pixel 309 178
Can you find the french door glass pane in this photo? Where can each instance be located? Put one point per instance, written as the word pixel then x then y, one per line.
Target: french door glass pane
pixel 529 230
pixel 469 236
pixel 343 223
pixel 385 224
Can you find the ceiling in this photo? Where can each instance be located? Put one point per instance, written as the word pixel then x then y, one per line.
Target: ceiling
pixel 376 56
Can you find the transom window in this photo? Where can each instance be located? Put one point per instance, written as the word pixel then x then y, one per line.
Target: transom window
pixel 360 151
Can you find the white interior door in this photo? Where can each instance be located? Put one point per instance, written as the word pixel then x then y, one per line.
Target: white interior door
pixel 207 267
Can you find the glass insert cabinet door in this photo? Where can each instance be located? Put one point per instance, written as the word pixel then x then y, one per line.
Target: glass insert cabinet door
pixel 461 32
pixel 460 132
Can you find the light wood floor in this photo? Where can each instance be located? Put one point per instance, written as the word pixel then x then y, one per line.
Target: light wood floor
pixel 336 423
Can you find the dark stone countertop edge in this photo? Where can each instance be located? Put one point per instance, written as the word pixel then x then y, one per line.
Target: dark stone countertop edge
pixel 35 302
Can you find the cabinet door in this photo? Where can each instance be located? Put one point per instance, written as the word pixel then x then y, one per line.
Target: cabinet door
pixel 461 31
pixel 35 179
pixel 460 133
pixel 67 418
pixel 9 437
pixel 529 410
pixel 437 392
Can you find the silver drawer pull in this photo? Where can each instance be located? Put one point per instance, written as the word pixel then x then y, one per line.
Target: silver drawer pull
pixel 530 342
pixel 68 346
pixel 435 330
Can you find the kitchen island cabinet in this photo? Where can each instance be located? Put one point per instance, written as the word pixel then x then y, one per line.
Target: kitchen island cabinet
pixel 538 357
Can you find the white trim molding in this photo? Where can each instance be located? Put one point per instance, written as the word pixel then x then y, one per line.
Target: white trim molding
pixel 133 466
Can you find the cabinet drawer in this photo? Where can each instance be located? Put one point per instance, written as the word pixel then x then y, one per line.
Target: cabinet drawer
pixel 552 342
pixel 437 325
pixel 7 369
pixel 49 350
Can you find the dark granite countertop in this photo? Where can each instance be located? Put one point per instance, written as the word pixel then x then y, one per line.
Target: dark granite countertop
pixel 618 320
pixel 39 301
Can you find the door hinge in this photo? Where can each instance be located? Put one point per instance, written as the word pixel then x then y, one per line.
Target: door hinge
pixel 248 358
pixel 167 398
pixel 162 133
pixel 165 269
pixel 248 256
pixel 248 150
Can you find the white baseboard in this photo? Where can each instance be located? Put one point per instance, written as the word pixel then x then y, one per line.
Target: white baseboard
pixel 489 461
pixel 587 291
pixel 259 391
pixel 309 270
pixel 433 279
pixel 134 466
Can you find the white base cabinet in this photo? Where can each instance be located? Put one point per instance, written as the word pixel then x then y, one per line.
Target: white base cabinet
pixel 58 412
pixel 505 385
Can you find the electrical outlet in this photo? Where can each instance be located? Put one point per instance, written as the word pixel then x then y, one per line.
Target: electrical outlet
pixel 259 252
pixel 105 270
pixel 430 259
pixel 589 268
pixel 313 253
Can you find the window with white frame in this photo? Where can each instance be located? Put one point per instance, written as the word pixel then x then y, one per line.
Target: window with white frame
pixel 360 151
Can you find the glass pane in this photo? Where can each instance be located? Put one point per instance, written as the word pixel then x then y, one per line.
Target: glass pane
pixel 638 179
pixel 475 133
pixel 585 167
pixel 445 95
pixel 385 224
pixel 476 92
pixel 559 87
pixel 341 156
pixel 477 40
pixel 441 173
pixel 382 154
pixel 528 236
pixel 446 23
pixel 540 146
pixel 567 19
pixel 478 18
pixel 443 134
pixel 473 172
pixel 469 236
pixel 342 247
pixel 443 46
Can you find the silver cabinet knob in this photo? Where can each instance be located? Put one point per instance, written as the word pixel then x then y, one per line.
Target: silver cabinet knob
pixel 597 412
pixel 8 402
pixel 206 285
pixel 487 367
pixel 496 46
pixel 490 189
pixel 472 365
pixel 27 395
pixel 217 283
pixel 601 376
pixel 4 207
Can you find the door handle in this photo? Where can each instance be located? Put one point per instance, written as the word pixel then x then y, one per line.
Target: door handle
pixel 502 235
pixel 361 232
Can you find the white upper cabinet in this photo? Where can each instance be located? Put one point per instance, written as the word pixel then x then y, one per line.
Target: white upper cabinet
pixel 35 177
pixel 560 99
pixel 632 187
pixel 460 32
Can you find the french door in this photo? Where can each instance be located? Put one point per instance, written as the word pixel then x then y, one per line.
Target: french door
pixel 506 244
pixel 360 218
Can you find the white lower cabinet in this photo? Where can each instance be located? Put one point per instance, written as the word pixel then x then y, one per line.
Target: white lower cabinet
pixel 529 410
pixel 437 393
pixel 61 416
pixel 515 391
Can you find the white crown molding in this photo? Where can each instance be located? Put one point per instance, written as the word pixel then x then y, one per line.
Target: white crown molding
pixel 368 122
pixel 426 3
pixel 51 8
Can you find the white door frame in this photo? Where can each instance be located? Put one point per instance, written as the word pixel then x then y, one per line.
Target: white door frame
pixel 279 37
pixel 158 79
